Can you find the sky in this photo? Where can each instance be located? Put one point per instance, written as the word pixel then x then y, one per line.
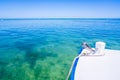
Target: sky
pixel 59 8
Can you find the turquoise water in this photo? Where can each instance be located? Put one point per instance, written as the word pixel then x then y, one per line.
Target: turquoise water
pixel 43 49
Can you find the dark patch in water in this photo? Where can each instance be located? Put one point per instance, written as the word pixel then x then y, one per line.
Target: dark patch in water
pixel 32 55
pixel 31 58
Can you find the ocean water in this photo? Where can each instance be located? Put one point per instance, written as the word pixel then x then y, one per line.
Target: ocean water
pixel 43 49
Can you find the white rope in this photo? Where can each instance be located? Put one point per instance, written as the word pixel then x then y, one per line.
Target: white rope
pixel 72 66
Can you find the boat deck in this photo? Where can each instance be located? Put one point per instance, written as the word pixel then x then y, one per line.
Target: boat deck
pixel 105 67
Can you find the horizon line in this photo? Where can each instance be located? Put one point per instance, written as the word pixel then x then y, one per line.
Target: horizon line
pixel 51 18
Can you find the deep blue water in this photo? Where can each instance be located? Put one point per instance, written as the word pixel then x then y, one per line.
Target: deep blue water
pixel 43 49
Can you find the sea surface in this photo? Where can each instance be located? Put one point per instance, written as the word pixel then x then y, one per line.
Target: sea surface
pixel 43 49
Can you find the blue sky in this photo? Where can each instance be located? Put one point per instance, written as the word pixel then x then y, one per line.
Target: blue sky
pixel 59 8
